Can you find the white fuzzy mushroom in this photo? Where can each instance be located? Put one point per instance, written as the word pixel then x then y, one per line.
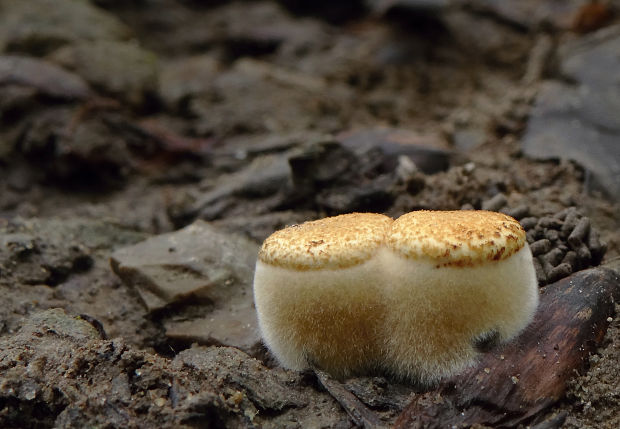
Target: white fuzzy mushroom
pixel 317 290
pixel 360 293
pixel 457 279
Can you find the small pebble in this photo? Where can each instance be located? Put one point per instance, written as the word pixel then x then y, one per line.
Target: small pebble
pixel 552 234
pixel 559 272
pixel 580 233
pixel 547 267
pixel 528 223
pixel 561 215
pixel 518 212
pixel 571 259
pixel 469 167
pixel 570 222
pixel 583 254
pixel 540 232
pixel 561 244
pixel 495 203
pixel 554 256
pixel 550 222
pixel 540 247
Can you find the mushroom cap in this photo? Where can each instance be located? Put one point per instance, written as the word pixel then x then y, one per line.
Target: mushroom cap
pixel 331 243
pixel 456 238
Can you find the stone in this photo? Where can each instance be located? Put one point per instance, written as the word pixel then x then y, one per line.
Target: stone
pixel 494 204
pixel 552 237
pixel 519 212
pixel 374 196
pixel 203 276
pixel 579 121
pixel 40 26
pixel 430 152
pixel 265 176
pixel 45 77
pixel 540 247
pixel 196 261
pixel 234 153
pixel 122 70
pixel 233 325
pixel 321 173
pixel 467 138
pixel 343 178
pixel 326 163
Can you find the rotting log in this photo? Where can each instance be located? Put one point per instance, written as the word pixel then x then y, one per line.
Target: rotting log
pixel 513 385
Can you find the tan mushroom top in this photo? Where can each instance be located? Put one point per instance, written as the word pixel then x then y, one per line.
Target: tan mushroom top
pixel 446 238
pixel 330 243
pixel 456 238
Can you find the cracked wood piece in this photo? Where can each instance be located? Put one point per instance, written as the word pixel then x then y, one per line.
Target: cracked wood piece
pixel 514 384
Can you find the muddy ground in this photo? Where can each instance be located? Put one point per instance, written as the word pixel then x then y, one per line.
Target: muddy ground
pixel 122 122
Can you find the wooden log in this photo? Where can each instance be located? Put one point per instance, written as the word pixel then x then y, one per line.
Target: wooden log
pixel 513 385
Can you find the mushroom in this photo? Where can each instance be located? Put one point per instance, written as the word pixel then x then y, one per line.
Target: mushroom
pixel 458 281
pixel 417 297
pixel 317 290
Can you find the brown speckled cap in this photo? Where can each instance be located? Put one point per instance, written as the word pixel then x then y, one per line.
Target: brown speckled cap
pixel 334 242
pixel 456 238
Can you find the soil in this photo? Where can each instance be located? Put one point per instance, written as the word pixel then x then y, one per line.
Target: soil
pixel 123 120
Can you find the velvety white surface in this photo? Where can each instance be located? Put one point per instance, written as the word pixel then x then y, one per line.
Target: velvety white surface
pixel 403 316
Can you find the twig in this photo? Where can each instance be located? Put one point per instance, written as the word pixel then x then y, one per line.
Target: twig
pixel 359 413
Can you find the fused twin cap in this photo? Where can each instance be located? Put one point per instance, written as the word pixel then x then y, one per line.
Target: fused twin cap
pixel 415 297
pixel 332 243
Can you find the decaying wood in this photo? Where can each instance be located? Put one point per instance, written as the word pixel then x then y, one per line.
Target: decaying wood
pixel 554 422
pixel 359 413
pixel 514 384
